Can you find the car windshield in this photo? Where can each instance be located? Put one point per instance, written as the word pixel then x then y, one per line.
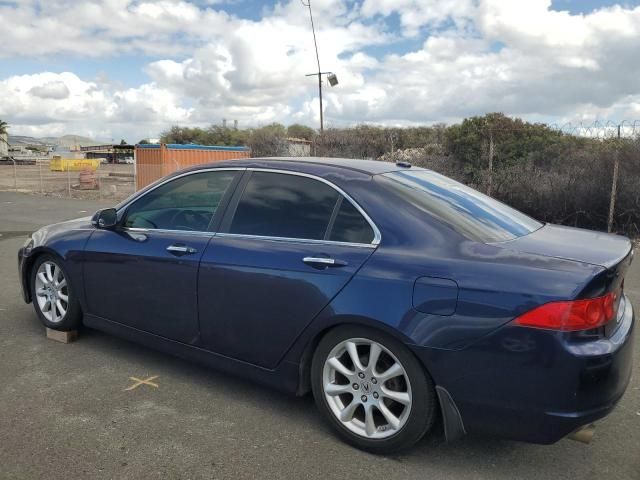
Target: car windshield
pixel 471 213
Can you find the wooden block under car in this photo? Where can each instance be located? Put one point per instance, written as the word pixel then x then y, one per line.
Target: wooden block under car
pixel 62 337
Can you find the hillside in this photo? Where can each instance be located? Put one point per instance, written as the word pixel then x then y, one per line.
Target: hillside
pixel 64 141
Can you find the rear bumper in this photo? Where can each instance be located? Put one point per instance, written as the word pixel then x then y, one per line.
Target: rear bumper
pixel 535 385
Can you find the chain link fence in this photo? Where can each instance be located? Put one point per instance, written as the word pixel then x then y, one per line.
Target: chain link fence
pixel 113 182
pixel 574 174
pixel 579 175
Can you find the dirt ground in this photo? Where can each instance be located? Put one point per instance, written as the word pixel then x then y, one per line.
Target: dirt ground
pixel 115 182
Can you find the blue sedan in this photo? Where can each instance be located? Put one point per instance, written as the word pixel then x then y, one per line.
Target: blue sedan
pixel 394 294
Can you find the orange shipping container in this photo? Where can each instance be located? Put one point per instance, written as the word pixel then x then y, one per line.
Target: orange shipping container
pixel 155 161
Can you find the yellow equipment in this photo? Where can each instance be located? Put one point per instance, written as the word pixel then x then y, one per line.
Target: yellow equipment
pixel 59 164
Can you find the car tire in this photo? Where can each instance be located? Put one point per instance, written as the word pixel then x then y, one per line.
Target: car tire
pixel 390 413
pixel 52 295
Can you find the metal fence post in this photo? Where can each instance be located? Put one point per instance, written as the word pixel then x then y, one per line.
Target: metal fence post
pixel 491 154
pixel 15 174
pixel 40 173
pixel 614 183
pixel 69 179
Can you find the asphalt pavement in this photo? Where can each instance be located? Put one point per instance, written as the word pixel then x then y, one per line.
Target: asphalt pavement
pixel 68 411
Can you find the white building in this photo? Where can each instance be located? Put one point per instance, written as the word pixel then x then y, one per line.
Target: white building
pixel 298 147
pixel 4 146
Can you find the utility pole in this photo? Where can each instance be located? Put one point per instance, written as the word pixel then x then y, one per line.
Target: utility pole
pixel 614 183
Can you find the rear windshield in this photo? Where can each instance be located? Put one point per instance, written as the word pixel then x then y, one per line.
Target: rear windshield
pixel 471 213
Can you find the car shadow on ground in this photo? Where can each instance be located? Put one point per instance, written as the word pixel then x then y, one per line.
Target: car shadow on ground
pixel 276 403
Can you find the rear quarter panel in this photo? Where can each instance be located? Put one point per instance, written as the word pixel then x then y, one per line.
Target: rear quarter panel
pixel 494 288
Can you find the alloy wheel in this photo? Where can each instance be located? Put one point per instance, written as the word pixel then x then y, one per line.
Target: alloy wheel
pixel 367 388
pixel 52 292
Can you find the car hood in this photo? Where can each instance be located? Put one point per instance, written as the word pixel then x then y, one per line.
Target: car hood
pixel 586 246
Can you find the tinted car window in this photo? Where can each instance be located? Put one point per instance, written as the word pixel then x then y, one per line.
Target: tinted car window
pixel 351 226
pixel 281 205
pixel 471 213
pixel 186 203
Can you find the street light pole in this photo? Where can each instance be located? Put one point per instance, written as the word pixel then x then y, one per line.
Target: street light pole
pixel 333 81
pixel 320 96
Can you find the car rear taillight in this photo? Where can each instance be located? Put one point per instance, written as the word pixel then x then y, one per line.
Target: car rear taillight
pixel 573 315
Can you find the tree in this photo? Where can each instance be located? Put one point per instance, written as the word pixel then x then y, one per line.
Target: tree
pixel 300 131
pixel 268 141
pixel 3 131
pixel 123 142
pixel 144 141
pixel 213 135
pixel 482 144
pixel 217 135
pixel 182 135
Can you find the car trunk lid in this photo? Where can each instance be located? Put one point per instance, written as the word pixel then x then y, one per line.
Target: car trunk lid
pixel 596 248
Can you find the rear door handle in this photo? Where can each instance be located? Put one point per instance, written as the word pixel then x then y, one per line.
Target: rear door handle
pixel 180 249
pixel 324 262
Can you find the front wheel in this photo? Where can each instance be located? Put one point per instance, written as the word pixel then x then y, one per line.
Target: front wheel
pixel 53 298
pixel 372 390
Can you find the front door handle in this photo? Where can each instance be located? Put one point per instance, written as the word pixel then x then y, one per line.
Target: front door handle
pixel 180 249
pixel 323 262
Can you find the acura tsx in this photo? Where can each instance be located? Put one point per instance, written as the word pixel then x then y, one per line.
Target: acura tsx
pixel 396 295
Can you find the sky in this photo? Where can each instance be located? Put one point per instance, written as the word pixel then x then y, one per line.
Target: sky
pixel 112 69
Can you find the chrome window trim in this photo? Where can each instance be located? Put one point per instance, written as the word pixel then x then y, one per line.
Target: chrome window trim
pixel 377 237
pixel 165 230
pixel 295 240
pixel 251 237
pixel 194 172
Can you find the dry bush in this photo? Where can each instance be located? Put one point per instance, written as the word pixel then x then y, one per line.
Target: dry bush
pixel 553 177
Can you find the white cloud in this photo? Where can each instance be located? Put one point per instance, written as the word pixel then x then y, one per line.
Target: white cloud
pixel 33 104
pixel 417 14
pixel 56 90
pixel 522 58
pixel 96 28
pixel 21 100
pixel 468 57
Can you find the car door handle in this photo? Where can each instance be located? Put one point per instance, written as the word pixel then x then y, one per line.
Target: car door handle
pixel 323 262
pixel 179 249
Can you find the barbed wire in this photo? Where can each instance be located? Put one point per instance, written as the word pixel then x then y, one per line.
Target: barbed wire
pixel 600 130
pixel 629 129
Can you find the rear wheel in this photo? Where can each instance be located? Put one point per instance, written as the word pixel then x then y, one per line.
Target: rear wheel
pixel 372 390
pixel 53 298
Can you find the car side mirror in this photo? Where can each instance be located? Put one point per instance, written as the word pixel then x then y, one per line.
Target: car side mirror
pixel 106 218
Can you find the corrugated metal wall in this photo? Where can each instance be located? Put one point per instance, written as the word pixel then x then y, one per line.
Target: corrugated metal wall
pixel 156 161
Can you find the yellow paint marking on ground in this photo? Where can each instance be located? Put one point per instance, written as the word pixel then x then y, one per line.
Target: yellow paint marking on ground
pixel 142 382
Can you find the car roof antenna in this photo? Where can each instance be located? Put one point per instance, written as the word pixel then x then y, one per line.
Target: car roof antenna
pixel 403 164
